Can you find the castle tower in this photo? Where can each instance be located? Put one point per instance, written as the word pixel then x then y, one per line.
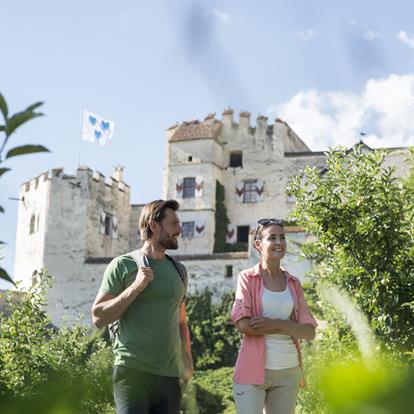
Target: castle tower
pixel 194 162
pixel 65 224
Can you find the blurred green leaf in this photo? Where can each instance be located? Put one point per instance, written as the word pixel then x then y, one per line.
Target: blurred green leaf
pixel 3 106
pixel 3 170
pixel 5 276
pixel 26 149
pixel 19 119
pixel 1 211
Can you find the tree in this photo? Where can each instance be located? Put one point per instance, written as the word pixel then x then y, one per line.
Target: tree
pixel 11 124
pixel 363 219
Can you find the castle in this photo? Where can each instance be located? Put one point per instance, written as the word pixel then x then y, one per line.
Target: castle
pixel 75 224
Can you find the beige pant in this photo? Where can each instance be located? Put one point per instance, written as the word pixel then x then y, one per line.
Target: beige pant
pixel 277 395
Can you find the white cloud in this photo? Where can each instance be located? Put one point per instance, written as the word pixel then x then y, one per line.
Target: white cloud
pixel 306 34
pixel 384 110
pixel 407 38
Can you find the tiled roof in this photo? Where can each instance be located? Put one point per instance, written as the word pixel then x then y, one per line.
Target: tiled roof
pixel 196 130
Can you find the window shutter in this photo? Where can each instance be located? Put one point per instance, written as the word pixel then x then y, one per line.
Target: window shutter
pixel 199 230
pixel 239 191
pixel 102 223
pixel 260 190
pixel 199 186
pixel 179 185
pixel 231 236
pixel 114 227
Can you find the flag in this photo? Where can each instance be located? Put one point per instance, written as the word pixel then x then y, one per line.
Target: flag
pixel 96 129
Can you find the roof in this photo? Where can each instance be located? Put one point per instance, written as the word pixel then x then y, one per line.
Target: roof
pixel 197 130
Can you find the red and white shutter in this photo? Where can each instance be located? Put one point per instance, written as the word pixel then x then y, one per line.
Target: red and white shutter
pixel 260 190
pixel 199 186
pixel 102 222
pixel 114 227
pixel 239 191
pixel 199 228
pixel 231 236
pixel 179 186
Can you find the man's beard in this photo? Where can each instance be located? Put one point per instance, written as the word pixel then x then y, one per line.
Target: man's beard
pixel 168 242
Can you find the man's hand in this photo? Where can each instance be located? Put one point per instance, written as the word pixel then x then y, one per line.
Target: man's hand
pixel 144 276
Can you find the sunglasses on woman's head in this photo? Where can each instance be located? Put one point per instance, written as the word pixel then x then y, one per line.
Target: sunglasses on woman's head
pixel 267 222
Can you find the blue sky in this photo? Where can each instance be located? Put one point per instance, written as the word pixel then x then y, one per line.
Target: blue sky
pixel 330 69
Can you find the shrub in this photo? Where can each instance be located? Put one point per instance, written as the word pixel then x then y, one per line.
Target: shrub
pixel 214 339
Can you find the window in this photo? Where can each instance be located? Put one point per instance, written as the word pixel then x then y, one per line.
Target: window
pixel 108 225
pixel 189 187
pixel 250 192
pixel 190 158
pixel 229 271
pixel 243 234
pixel 236 159
pixel 188 229
pixel 32 224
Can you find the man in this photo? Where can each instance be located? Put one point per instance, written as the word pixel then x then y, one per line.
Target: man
pixel 152 346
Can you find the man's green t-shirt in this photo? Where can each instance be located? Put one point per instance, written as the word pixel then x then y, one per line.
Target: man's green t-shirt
pixel 149 337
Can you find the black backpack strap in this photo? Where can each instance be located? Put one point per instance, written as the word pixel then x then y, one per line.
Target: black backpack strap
pixel 182 271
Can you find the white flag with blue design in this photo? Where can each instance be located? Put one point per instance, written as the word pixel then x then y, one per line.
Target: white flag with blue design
pixel 96 129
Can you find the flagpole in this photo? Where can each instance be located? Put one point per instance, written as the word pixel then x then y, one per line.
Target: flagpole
pixel 80 140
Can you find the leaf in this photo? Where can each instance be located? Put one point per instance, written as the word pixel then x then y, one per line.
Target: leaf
pixel 3 107
pixel 32 107
pixel 2 128
pixel 19 119
pixel 26 149
pixel 1 211
pixel 3 170
pixel 5 276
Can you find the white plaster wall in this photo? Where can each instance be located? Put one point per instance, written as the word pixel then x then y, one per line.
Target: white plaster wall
pixel 34 198
pixel 65 247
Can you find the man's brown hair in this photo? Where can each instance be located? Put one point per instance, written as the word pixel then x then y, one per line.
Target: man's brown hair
pixel 155 210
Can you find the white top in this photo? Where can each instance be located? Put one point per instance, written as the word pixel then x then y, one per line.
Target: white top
pixel 281 352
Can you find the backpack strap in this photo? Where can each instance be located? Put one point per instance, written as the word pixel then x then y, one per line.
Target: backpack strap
pixel 182 271
pixel 140 259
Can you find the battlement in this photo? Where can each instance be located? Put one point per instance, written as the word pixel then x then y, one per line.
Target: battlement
pixel 212 128
pixel 114 182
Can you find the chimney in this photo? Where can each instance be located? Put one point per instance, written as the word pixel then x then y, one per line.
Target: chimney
pixel 118 173
pixel 228 117
pixel 245 120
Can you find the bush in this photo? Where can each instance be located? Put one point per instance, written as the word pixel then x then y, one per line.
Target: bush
pixel 45 368
pixel 214 339
pixel 210 392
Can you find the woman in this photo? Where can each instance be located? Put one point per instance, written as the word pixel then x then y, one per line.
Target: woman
pixel 271 313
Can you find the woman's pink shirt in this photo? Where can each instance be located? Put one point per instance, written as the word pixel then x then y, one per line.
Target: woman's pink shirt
pixel 251 362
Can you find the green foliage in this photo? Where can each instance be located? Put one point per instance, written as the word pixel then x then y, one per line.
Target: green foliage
pixel 221 221
pixel 11 124
pixel 48 369
pixel 214 391
pixel 363 218
pixel 214 339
